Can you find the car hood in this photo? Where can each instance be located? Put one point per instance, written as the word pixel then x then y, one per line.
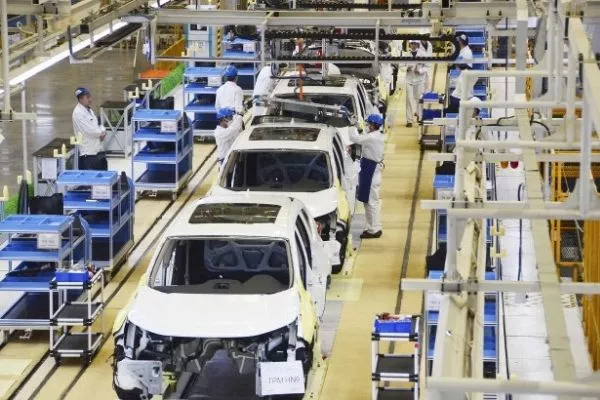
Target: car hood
pixel 213 316
pixel 318 203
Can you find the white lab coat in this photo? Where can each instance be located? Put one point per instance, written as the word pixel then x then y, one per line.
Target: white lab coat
pixel 466 54
pixel 373 148
pixel 457 92
pixel 263 86
pixel 224 137
pixel 230 95
pixel 85 124
pixel 416 81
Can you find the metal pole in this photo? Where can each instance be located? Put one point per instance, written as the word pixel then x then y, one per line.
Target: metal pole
pixel 24 131
pixel 5 55
pixel 585 163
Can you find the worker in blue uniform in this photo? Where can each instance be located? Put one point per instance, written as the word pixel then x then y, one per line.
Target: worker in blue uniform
pixel 369 178
pixel 230 95
pixel 228 129
pixel 85 125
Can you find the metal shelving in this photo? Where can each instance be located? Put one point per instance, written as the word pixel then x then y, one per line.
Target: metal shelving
pixel 163 141
pixel 106 201
pixel 49 162
pixel 200 86
pixel 386 367
pixel 115 117
pixel 40 245
pixel 69 314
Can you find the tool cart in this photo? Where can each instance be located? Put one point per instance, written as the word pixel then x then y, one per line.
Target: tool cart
pixel 427 138
pixel 36 248
pixel 106 201
pixel 49 162
pixel 65 342
pixel 200 86
pixel 386 367
pixel 163 142
pixel 115 117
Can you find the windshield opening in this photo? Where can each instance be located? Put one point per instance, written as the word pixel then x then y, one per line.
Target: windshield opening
pixel 278 170
pixel 222 266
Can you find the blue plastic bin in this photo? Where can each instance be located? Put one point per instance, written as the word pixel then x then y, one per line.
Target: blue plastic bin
pixel 78 276
pixel 62 276
pixel 398 326
pixel 431 114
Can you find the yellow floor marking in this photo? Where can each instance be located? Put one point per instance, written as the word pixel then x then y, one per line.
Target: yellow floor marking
pixel 345 289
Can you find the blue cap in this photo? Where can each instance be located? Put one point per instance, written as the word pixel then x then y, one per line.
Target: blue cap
pixel 230 71
pixel 225 113
pixel 81 91
pixel 375 119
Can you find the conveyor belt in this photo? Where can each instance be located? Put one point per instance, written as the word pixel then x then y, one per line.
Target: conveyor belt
pixel 102 44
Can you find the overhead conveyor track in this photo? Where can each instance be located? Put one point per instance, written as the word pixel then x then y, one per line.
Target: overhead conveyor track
pixel 100 46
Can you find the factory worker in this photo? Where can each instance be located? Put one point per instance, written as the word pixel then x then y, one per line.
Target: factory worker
pixel 85 124
pixel 230 94
pixel 263 86
pixel 369 178
pixel 228 129
pixel 457 95
pixel 416 79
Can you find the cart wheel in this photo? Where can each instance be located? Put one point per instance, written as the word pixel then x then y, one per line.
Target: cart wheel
pixel 57 360
pixel 174 196
pixel 87 360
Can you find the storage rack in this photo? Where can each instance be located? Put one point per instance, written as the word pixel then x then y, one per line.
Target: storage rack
pixel 426 116
pixel 141 90
pixel 443 186
pixel 387 367
pixel 71 314
pixel 163 141
pixel 49 162
pixel 106 201
pixel 200 86
pixel 243 49
pixel 36 247
pixel 115 117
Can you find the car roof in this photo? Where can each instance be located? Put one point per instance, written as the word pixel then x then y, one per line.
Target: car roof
pixel 247 140
pixel 272 216
pixel 283 86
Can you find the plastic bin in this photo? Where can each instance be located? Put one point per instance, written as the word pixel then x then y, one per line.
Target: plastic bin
pixel 403 325
pixel 78 276
pixel 62 276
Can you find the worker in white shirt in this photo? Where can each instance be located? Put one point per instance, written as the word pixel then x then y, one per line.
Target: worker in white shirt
pixel 456 96
pixel 473 131
pixel 427 47
pixel 369 178
pixel 228 129
pixel 230 94
pixel 416 79
pixel 263 86
pixel 85 125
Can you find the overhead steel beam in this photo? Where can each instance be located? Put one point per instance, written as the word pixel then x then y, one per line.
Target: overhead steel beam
pixel 26 8
pixel 470 13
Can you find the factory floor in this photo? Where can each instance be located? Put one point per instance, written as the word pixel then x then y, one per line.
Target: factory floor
pixel 371 287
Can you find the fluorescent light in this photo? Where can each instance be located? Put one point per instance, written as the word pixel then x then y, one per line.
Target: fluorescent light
pixel 1 138
pixel 61 56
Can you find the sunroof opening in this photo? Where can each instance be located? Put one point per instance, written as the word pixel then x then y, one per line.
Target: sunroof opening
pixel 285 133
pixel 235 213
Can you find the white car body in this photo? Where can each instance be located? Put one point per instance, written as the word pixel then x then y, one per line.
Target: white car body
pixel 339 85
pixel 269 138
pixel 222 311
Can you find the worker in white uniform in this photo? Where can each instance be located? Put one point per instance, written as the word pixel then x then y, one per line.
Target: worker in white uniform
pixel 369 178
pixel 230 94
pixel 228 129
pixel 263 86
pixel 473 130
pixel 416 79
pixel 427 47
pixel 85 125
pixel 456 96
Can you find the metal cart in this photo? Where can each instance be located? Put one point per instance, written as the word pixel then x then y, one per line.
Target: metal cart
pixel 49 162
pixel 115 117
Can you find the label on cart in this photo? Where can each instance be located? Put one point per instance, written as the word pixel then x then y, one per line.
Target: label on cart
pixel 445 194
pixel 49 168
pixel 101 192
pixel 168 126
pixel 249 47
pixel 214 81
pixel 433 301
pixel 280 378
pixel 48 241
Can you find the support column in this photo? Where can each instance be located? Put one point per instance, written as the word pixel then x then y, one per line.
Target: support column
pixel 5 55
pixel 591 304
pixel 521 44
